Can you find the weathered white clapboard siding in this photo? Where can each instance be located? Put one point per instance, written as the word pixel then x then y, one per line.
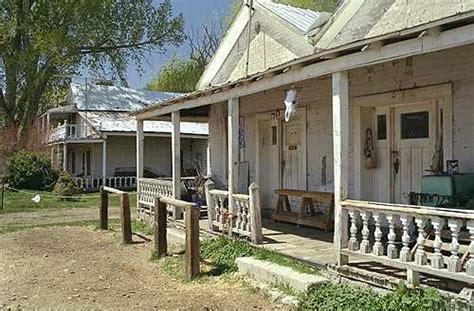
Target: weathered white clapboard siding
pixel 453 66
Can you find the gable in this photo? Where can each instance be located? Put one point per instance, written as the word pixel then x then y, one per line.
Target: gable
pixel 273 40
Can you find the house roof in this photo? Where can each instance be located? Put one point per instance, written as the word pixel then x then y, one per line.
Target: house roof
pixel 114 121
pixel 359 20
pixel 114 98
pixel 304 20
pixel 282 35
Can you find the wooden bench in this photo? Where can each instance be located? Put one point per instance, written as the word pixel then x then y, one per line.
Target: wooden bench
pixel 322 221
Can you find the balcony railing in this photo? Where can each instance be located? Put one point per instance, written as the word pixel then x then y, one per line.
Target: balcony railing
pixel 70 132
pixel 118 182
pixel 434 241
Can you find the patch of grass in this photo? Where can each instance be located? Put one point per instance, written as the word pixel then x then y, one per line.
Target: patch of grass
pixel 15 202
pixel 333 296
pixel 284 288
pixel 142 227
pixel 83 223
pixel 222 252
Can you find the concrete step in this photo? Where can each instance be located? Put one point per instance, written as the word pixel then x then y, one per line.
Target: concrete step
pixel 271 273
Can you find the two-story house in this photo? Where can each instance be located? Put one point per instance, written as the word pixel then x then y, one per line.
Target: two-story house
pixel 92 136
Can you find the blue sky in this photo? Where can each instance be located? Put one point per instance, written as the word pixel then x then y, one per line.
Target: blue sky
pixel 195 13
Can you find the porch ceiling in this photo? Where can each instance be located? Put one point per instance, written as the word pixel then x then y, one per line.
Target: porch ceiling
pixel 431 37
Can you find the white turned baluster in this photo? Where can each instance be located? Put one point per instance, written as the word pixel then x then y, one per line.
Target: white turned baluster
pixel 353 244
pixel 405 254
pixel 392 251
pixel 437 260
pixel 454 263
pixel 420 254
pixel 470 262
pixel 378 247
pixel 365 244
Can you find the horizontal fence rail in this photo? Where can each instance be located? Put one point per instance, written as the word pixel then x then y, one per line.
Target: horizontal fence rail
pixel 94 183
pixel 244 218
pixel 418 239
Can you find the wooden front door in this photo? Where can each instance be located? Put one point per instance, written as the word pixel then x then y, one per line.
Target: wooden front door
pixel 414 139
pixel 281 154
pixel 294 173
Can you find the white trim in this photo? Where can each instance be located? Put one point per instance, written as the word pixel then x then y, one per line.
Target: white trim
pixel 225 47
pixel 176 155
pixel 410 47
pixel 148 134
pixel 233 149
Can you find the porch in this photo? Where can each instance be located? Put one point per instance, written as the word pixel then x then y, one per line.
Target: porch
pixel 322 148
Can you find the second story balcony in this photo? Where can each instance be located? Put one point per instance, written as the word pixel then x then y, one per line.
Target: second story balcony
pixel 66 131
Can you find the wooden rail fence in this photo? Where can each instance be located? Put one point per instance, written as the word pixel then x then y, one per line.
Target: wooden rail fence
pixel 125 216
pixel 192 213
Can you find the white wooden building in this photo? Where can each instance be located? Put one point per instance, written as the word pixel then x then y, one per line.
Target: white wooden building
pixel 395 74
pixel 93 137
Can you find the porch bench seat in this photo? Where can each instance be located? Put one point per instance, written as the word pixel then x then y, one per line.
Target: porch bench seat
pixel 284 213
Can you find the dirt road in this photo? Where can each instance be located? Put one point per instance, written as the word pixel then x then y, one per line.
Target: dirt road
pixel 81 268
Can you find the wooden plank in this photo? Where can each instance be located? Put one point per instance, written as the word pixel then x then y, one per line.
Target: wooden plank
pixel 112 190
pixel 340 109
pixel 256 214
pixel 104 203
pixel 126 219
pixel 192 241
pixel 233 151
pixel 140 157
pixel 160 241
pixel 176 159
pixel 316 195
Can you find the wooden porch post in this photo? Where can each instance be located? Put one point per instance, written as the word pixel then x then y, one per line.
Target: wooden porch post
pixel 104 161
pixel 340 112
pixel 64 157
pixel 140 144
pixel 233 152
pixel 176 158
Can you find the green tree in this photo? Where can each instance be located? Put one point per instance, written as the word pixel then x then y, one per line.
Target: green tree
pixel 316 5
pixel 177 75
pixel 44 42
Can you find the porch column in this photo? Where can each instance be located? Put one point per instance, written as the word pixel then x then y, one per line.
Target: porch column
pixel 64 157
pixel 340 113
pixel 176 157
pixel 233 149
pixel 140 143
pixel 104 161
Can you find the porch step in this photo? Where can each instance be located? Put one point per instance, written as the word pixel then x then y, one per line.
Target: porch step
pixel 363 275
pixel 271 273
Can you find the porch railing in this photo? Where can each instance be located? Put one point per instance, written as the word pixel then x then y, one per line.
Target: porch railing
pixel 118 182
pixel 413 238
pixel 69 131
pixel 244 218
pixel 149 189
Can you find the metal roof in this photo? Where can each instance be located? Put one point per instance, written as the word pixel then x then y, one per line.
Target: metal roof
pixel 304 20
pixel 108 121
pixel 114 98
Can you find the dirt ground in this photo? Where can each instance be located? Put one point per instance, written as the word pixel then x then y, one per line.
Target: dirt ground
pixel 82 268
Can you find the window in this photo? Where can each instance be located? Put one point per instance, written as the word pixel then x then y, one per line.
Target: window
pixel 73 162
pixel 274 135
pixel 86 163
pixel 382 127
pixel 415 125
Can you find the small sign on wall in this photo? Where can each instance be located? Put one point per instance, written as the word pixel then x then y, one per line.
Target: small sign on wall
pixel 292 147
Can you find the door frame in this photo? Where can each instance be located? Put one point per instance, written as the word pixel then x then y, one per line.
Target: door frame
pixel 277 115
pixel 440 94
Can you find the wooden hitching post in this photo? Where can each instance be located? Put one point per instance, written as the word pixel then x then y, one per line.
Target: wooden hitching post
pixel 126 218
pixel 192 241
pixel 159 232
pixel 104 202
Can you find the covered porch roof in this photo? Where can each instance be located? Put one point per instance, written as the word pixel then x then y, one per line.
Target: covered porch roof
pixel 442 34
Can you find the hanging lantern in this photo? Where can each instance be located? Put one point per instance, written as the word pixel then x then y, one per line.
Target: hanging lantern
pixel 290 103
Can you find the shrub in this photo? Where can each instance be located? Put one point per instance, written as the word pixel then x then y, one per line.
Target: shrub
pixel 29 170
pixel 333 296
pixel 66 186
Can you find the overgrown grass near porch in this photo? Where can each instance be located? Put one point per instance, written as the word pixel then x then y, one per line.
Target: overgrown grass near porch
pixel 21 201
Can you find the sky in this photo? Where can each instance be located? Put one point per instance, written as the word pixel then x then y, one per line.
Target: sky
pixel 195 13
